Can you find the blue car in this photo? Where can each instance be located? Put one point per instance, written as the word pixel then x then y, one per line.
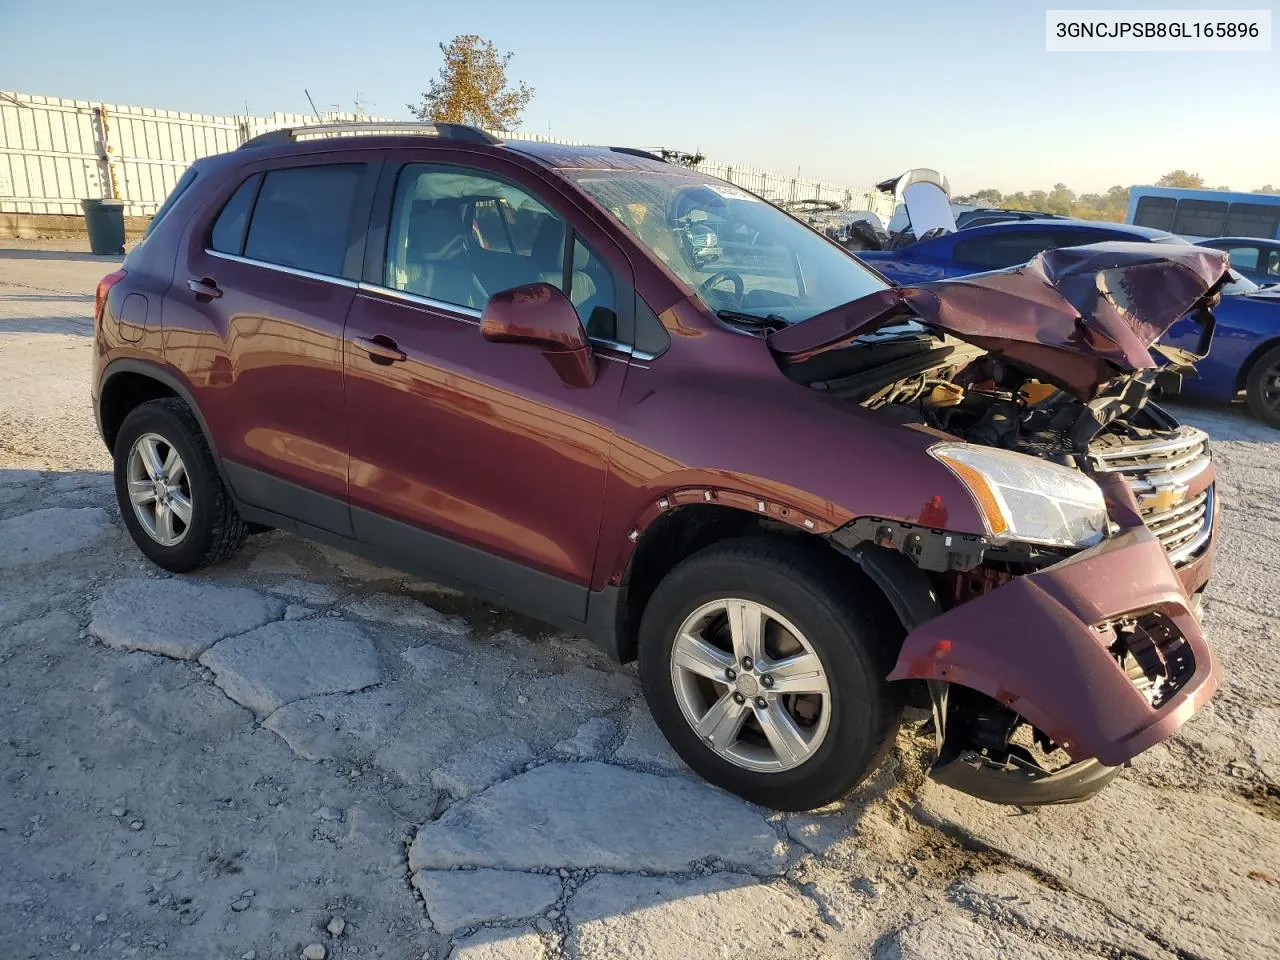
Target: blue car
pixel 1259 260
pixel 1246 344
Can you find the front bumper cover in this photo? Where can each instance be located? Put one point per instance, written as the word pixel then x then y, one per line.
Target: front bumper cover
pixel 1039 646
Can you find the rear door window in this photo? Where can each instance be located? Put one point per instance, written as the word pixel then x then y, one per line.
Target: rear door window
pixel 228 231
pixel 302 218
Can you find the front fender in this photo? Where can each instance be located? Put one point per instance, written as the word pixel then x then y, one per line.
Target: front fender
pixel 807 514
pixel 1038 645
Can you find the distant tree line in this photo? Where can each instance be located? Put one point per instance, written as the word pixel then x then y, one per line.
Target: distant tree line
pixel 1112 205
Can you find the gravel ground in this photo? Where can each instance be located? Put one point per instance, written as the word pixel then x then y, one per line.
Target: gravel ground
pixel 298 754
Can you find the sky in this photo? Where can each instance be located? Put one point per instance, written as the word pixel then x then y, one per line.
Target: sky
pixel 848 92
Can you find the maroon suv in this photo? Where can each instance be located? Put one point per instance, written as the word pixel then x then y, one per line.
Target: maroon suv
pixel 641 403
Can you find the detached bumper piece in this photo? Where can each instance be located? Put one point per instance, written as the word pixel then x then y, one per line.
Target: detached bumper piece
pixel 1022 785
pixel 1101 655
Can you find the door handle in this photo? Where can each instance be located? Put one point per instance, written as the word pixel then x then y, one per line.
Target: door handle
pixel 204 287
pixel 381 349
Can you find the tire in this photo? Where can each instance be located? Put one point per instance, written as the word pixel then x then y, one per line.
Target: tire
pixel 1261 380
pixel 214 530
pixel 840 617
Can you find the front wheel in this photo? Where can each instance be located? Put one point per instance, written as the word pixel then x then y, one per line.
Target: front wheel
pixel 1262 388
pixel 763 664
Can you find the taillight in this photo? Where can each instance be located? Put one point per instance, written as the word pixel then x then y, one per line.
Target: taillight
pixel 104 287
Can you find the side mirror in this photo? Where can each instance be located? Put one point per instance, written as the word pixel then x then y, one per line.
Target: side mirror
pixel 540 315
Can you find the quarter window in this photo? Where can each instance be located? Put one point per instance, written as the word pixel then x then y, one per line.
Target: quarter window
pixel 179 188
pixel 228 231
pixel 303 217
pixel 651 336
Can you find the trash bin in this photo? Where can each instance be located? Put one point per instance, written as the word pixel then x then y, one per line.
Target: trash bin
pixel 105 220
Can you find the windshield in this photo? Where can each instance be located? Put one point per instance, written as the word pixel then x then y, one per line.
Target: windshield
pixel 737 251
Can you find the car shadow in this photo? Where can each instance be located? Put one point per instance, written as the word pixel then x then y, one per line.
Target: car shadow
pixel 13 477
pixel 75 326
pixel 29 253
pixel 24 491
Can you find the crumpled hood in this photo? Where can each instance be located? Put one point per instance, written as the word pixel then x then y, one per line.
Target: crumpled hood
pixel 1079 316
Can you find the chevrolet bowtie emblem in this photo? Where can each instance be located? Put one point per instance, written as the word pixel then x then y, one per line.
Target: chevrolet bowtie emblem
pixel 1165 498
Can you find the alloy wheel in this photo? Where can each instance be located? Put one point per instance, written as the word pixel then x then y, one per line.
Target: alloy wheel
pixel 159 489
pixel 750 684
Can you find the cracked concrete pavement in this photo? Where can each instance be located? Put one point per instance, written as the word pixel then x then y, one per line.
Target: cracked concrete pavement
pixel 241 762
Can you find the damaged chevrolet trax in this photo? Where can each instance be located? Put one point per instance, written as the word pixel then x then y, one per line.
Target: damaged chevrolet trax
pixel 650 408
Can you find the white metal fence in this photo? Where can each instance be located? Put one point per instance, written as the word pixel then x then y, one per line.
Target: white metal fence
pixel 55 152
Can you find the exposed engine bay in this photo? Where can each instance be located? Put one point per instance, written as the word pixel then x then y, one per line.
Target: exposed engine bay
pixel 981 398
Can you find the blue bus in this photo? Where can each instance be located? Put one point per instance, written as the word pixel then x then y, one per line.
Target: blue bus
pixel 1205 214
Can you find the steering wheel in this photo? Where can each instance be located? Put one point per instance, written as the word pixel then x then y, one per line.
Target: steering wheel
pixel 719 277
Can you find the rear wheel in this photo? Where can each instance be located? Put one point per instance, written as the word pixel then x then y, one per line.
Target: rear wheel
pixel 171 496
pixel 1262 388
pixel 764 667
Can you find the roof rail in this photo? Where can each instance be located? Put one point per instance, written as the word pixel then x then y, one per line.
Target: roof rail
pixel 637 152
pixel 448 131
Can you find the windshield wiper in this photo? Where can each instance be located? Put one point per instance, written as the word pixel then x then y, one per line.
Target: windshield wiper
pixel 769 322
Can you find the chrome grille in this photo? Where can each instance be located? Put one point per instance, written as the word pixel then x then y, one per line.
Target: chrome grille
pixel 1159 471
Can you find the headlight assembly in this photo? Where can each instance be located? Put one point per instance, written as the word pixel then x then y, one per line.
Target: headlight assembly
pixel 1025 499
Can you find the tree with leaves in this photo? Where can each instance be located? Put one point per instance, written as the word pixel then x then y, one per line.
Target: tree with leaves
pixel 472 87
pixel 1061 200
pixel 1112 205
pixel 1180 178
pixel 989 195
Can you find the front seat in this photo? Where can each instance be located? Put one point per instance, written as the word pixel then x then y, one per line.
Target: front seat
pixel 436 259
